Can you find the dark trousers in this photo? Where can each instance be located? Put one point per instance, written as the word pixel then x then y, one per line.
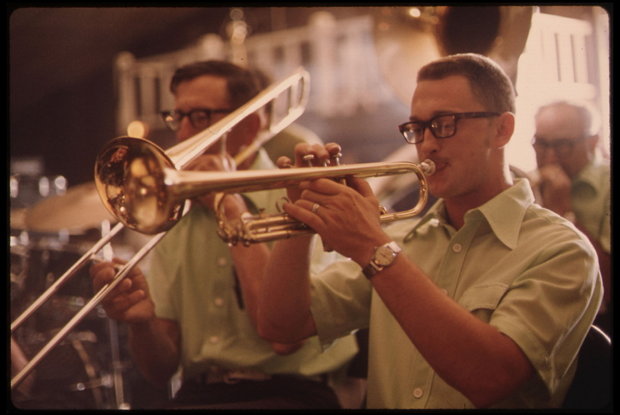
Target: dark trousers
pixel 280 392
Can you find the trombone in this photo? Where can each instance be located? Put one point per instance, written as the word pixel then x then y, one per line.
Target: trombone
pixel 152 194
pixel 294 89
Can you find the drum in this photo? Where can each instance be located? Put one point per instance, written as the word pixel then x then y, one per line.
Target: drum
pixel 76 373
pixel 50 231
pixel 72 376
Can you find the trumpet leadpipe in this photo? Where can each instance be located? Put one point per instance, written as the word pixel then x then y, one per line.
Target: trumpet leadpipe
pixel 151 194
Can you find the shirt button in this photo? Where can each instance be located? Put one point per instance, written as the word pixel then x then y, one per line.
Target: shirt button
pixel 444 291
pixel 417 393
pixel 457 248
pixel 214 339
pixel 221 261
pixel 219 301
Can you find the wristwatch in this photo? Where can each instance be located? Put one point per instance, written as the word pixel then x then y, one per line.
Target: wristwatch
pixel 383 257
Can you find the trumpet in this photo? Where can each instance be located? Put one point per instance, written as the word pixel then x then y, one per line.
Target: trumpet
pixel 152 194
pixel 293 90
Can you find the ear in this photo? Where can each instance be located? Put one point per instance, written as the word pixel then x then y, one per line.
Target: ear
pixel 505 129
pixel 592 142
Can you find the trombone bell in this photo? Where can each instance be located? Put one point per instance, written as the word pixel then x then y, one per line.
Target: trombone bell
pixel 150 197
pixel 129 175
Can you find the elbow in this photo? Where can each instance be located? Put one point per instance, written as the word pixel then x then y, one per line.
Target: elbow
pixel 277 336
pixel 284 349
pixel 485 395
pixel 276 331
pixel 283 333
pixel 493 390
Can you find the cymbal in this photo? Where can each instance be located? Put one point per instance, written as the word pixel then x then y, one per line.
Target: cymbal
pixel 80 208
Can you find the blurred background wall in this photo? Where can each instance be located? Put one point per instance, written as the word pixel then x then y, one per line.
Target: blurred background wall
pixel 66 94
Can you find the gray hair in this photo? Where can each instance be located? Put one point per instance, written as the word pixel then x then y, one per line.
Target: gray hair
pixel 588 114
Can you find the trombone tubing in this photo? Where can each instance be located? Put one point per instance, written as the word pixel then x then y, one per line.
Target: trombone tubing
pixel 186 151
pixel 88 307
pixel 181 154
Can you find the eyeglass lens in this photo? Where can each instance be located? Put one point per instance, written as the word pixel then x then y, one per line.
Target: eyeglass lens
pixel 562 147
pixel 199 118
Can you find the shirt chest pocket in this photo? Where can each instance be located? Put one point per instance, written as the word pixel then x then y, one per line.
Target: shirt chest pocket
pixel 481 300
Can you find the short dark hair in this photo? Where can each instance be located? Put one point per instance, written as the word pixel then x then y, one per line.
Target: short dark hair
pixel 487 79
pixel 242 83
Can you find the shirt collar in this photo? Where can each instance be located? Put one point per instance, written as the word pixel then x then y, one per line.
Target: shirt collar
pixel 504 213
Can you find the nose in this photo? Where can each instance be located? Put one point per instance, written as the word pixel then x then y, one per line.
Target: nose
pixel 429 144
pixel 186 129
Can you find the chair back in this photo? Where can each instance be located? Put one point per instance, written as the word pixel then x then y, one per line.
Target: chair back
pixel 591 387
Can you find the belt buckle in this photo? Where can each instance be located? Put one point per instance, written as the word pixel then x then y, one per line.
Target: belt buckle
pixel 230 379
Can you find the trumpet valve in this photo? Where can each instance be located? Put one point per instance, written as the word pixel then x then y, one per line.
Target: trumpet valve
pixel 308 158
pixel 335 154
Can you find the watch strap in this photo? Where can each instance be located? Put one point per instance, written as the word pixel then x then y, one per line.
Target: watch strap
pixel 373 267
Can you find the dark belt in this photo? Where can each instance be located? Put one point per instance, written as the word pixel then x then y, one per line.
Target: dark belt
pixel 218 375
pixel 229 376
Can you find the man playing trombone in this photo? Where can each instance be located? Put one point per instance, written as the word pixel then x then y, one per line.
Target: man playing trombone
pixel 483 302
pixel 196 307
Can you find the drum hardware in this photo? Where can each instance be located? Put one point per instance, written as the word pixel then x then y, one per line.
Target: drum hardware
pixel 295 89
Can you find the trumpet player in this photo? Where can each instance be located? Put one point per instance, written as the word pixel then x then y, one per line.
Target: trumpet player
pixel 481 303
pixel 574 181
pixel 195 309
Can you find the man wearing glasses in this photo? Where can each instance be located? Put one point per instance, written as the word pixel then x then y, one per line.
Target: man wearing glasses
pixel 482 302
pixel 574 181
pixel 196 307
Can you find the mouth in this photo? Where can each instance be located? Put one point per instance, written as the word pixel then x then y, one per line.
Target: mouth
pixel 439 165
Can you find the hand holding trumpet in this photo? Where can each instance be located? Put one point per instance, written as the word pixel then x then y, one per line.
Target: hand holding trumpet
pixel 346 216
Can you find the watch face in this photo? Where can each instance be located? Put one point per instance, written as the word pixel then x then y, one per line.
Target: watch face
pixel 384 256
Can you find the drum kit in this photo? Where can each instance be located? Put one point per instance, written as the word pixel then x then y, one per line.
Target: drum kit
pixel 48 232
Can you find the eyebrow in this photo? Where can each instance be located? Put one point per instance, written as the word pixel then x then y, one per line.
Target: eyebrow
pixel 435 114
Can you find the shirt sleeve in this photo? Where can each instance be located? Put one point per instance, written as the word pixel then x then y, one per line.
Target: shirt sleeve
pixel 340 301
pixel 548 309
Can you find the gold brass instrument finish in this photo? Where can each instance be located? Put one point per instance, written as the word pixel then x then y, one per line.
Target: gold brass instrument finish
pixel 117 176
pixel 130 182
pixel 143 190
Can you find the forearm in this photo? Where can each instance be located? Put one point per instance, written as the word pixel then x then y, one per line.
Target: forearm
pixel 155 350
pixel 284 307
pixel 467 353
pixel 249 261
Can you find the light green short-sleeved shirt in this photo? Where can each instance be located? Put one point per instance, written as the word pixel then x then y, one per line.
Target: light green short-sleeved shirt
pixel 521 268
pixel 191 280
pixel 590 199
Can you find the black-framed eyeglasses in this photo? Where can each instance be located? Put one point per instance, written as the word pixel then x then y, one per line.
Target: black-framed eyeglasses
pixel 442 126
pixel 563 147
pixel 200 118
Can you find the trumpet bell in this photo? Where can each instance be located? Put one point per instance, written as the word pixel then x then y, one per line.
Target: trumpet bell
pixel 129 175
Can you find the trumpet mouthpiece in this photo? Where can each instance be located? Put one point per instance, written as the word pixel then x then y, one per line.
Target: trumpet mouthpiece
pixel 428 167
